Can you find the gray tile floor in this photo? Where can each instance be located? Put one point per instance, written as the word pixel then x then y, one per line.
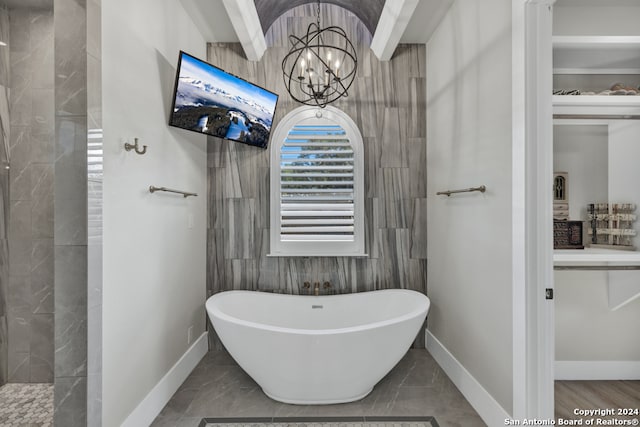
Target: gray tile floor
pixel 417 386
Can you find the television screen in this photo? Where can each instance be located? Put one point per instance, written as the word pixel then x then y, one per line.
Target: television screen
pixel 211 101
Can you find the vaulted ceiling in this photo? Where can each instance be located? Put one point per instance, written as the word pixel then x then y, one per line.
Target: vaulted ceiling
pixel 367 10
pixel 213 20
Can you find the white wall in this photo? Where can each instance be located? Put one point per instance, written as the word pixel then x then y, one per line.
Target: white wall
pixel 154 263
pixel 586 330
pixel 624 173
pixel 596 17
pixel 581 151
pixel 468 144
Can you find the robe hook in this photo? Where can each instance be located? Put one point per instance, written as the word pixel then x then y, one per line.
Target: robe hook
pixel 135 147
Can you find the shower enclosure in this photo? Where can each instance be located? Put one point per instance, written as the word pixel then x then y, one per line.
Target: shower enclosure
pixel 27 146
pixel 50 171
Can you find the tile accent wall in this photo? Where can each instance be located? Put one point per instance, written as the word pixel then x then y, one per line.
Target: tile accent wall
pixel 30 299
pixel 70 231
pixel 388 103
pixel 4 191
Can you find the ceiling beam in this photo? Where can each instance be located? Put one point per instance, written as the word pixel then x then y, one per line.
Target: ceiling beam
pixel 210 17
pixel 393 21
pixel 244 18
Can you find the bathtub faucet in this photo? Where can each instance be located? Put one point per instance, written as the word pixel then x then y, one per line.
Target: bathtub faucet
pixel 307 285
pixel 316 288
pixel 326 286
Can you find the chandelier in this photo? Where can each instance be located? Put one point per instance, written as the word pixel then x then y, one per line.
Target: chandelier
pixel 320 66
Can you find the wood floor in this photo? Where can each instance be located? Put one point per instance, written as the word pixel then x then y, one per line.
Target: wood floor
pixel 589 395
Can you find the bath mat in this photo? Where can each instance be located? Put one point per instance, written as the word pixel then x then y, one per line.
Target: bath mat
pixel 398 421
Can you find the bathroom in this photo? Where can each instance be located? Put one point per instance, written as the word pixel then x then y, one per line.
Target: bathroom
pixel 133 269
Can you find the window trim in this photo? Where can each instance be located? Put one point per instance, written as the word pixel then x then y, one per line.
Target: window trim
pixel 279 248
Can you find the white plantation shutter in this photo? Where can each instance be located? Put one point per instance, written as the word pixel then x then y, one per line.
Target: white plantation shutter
pixel 317 185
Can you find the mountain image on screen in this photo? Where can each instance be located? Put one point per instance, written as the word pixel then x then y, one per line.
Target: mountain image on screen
pixel 216 103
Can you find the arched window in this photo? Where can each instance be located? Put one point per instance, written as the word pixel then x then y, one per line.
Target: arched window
pixel 317 185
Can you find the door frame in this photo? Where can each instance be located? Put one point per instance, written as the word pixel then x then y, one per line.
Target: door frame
pixel 533 314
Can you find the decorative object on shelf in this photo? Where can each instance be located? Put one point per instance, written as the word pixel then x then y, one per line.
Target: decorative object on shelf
pixel 616 89
pixel 560 196
pixel 185 194
pixel 611 225
pixel 566 92
pixel 622 89
pixel 567 234
pixel 135 147
pixel 320 66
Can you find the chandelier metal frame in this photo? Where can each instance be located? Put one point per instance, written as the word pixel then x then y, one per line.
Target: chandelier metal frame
pixel 310 76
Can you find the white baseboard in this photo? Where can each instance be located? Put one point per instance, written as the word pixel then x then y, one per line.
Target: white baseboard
pixel 597 370
pixel 485 405
pixel 152 404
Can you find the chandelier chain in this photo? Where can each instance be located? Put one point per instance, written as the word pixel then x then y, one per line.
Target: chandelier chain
pixel 318 14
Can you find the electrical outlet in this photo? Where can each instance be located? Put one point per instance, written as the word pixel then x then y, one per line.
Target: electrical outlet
pixel 190 335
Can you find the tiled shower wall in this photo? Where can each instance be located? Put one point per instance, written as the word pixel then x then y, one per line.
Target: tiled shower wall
pixel 30 298
pixel 4 189
pixel 50 127
pixel 388 103
pixel 70 192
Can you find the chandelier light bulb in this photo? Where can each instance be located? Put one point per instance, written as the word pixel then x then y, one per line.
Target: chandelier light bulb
pixel 302 63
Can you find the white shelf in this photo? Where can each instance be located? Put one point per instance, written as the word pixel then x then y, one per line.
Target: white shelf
pixel 591 42
pixel 596 54
pixel 622 106
pixel 589 256
pixel 577 55
pixel 622 286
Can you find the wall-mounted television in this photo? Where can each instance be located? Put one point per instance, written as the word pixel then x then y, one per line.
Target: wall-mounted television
pixel 209 100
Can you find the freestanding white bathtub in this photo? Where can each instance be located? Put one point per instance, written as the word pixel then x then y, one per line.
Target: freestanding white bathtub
pixel 317 349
